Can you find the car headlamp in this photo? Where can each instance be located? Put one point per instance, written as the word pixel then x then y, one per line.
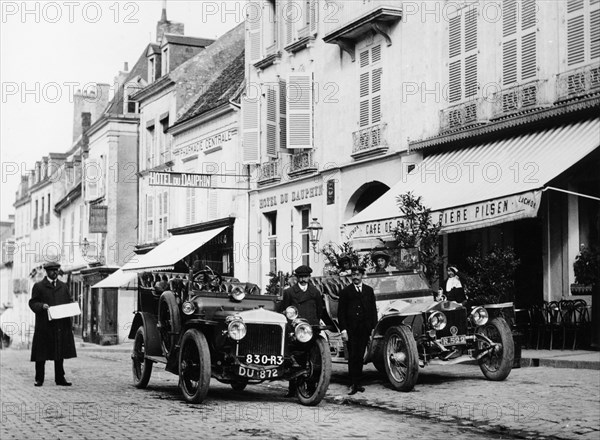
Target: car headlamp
pixel 438 320
pixel 291 313
pixel 479 316
pixel 303 332
pixel 236 329
pixel 237 293
pixel 188 307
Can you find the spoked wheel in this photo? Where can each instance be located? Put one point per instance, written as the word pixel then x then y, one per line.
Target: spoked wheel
pixel 239 385
pixel 169 320
pixel 311 388
pixel 194 366
pixel 401 358
pixel 497 364
pixel 141 367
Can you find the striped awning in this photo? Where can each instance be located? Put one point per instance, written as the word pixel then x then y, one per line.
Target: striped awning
pixel 482 185
pixel 165 255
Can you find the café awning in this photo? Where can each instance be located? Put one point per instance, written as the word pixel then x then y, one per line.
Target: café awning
pixel 117 279
pixel 482 185
pixel 165 255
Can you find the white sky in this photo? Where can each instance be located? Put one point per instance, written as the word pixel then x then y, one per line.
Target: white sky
pixel 46 42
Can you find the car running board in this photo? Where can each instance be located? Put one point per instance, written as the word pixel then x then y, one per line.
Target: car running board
pixel 160 359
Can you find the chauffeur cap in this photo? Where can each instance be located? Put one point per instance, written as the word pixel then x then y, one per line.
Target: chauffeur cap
pixel 303 271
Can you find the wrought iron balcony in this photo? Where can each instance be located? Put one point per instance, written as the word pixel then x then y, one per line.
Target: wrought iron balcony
pixel 270 172
pixel 473 112
pixel 521 97
pixel 578 82
pixel 302 163
pixel 369 141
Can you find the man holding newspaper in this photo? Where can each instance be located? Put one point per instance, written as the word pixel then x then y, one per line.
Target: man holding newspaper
pixel 53 337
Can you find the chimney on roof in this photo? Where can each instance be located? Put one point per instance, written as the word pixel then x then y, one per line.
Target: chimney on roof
pixel 165 26
pixel 126 66
pixel 86 122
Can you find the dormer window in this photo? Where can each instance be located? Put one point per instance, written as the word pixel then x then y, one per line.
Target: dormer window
pixel 165 61
pixel 151 69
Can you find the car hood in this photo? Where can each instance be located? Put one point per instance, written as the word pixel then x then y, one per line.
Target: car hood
pixel 262 315
pixel 416 308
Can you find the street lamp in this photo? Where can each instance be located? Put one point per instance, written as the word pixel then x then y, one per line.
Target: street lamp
pixel 314 232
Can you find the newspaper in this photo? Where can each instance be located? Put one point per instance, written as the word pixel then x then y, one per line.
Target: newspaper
pixel 63 311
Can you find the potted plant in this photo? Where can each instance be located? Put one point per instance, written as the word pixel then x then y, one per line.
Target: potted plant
pixel 334 253
pixel 587 271
pixel 490 278
pixel 417 237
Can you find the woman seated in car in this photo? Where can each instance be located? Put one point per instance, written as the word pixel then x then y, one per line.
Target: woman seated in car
pixel 453 289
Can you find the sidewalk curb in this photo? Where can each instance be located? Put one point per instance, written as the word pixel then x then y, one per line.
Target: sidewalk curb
pixel 559 363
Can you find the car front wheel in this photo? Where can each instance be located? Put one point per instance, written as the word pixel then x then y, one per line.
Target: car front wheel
pixel 141 367
pixel 497 364
pixel 312 386
pixel 401 358
pixel 194 366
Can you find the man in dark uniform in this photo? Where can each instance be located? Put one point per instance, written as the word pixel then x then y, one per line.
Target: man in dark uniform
pixel 52 340
pixel 357 316
pixel 308 301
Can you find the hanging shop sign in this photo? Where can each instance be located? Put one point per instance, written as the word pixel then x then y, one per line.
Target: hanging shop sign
pixel 98 219
pixel 188 180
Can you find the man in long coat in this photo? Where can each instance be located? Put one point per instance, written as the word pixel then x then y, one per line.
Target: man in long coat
pixel 52 340
pixel 357 316
pixel 308 301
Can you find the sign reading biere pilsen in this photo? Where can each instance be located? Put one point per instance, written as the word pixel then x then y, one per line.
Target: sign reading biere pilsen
pixel 189 180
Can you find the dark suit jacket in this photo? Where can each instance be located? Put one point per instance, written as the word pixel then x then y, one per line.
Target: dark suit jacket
pixel 353 306
pixel 51 339
pixel 309 303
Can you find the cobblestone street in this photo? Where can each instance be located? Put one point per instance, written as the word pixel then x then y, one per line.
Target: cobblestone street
pixel 450 402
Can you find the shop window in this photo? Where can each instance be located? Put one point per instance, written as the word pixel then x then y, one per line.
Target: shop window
pixel 304 235
pixel 272 237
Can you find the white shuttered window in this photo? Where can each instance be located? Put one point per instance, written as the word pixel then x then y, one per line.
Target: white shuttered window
pixel 250 127
pixel 519 46
pixel 583 32
pixel 371 71
pixel 300 110
pixel 462 54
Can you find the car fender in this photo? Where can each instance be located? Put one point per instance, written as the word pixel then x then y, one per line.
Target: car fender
pixel 149 321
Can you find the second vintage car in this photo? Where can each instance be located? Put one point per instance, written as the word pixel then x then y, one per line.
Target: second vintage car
pixel 226 331
pixel 413 330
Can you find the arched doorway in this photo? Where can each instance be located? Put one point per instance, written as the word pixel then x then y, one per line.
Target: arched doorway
pixel 363 197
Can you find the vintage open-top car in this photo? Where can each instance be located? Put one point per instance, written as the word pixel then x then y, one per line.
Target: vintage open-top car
pixel 229 332
pixel 413 330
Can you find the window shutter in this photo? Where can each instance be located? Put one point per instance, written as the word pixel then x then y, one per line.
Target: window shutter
pixel 454 47
pixel 595 33
pixel 299 112
pixel 509 62
pixel 271 122
pixel 254 17
pixel 519 50
pixel 575 44
pixel 288 17
pixel 313 10
pixel 149 217
pixel 376 95
pixel 250 126
pixel 92 177
pixel 282 114
pixel 470 52
pixel 528 57
pixel 455 90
